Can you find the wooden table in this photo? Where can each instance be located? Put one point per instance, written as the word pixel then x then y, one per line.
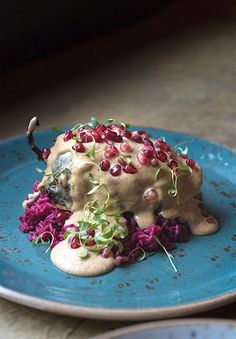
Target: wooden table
pixel 175 71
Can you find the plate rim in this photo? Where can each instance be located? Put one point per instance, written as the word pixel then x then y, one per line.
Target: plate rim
pixel 163 324
pixel 122 314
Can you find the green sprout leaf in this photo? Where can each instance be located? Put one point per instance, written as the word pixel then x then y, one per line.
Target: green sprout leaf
pixel 92 180
pixel 39 170
pixel 56 129
pixel 91 151
pixel 161 168
pixel 126 157
pixel 185 168
pixel 36 240
pixel 145 255
pixel 169 255
pixel 83 253
pixel 108 122
pixel 94 189
pixel 172 192
pixel 178 149
pixel 77 126
pixel 93 122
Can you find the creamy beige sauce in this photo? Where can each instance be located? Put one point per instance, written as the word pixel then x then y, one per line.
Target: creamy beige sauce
pixel 69 260
pixel 128 190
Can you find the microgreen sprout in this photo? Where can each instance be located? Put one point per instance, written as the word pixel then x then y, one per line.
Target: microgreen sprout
pixel 38 239
pixel 144 254
pixel 97 184
pixel 126 157
pixel 169 255
pixel 91 151
pixel 92 123
pixel 173 191
pixel 56 129
pixel 39 170
pixel 104 221
pixel 110 121
pixel 178 149
pixel 57 173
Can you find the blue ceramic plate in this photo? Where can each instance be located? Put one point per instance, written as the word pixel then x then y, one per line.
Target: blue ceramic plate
pixel 150 289
pixel 175 329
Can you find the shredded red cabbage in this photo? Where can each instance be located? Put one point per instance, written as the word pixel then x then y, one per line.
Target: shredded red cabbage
pixel 42 218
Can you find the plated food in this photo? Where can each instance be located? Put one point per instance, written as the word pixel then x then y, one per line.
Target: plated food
pixel 111 196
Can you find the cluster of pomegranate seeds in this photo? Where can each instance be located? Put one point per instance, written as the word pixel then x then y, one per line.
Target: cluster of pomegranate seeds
pixel 118 140
pixel 75 243
pixel 78 147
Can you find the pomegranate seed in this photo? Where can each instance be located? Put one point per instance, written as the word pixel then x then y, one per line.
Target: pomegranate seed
pixel 111 151
pixel 68 135
pixel 46 152
pixel 119 138
pixel 148 152
pixel 137 138
pixel 128 134
pixel 115 170
pixel 113 126
pixel 163 145
pixel 173 164
pixel 184 156
pixel 130 169
pixel 46 236
pixel 148 143
pixel 90 232
pixel 100 128
pixel 161 156
pixel 62 216
pixel 122 162
pixel 105 165
pixel 142 159
pixel 190 163
pixel 154 162
pixel 141 132
pixel 97 137
pixel 210 220
pixel 150 194
pixel 125 147
pixel 86 138
pixel 90 243
pixel 78 147
pixel 75 243
pixel 105 253
pixel 110 135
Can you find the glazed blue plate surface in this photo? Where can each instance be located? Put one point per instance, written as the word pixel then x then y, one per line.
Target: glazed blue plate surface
pixel 206 265
pixel 176 329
